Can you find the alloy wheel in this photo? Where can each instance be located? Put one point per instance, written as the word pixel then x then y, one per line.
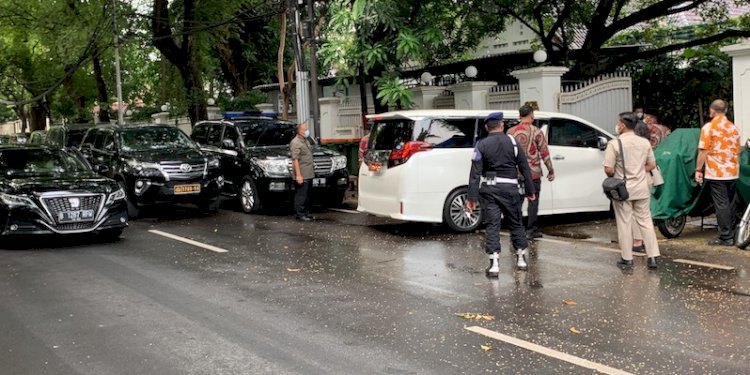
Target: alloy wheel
pixel 460 216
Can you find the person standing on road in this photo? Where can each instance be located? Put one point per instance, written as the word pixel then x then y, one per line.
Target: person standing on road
pixel 638 159
pixel 494 177
pixel 303 168
pixel 534 143
pixel 719 152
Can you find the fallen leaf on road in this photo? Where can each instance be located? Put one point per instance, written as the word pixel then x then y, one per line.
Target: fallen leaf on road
pixel 293 269
pixel 568 302
pixel 486 348
pixel 575 330
pixel 474 316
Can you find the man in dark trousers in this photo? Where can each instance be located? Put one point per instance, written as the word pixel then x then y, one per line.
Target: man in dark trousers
pixel 495 165
pixel 303 168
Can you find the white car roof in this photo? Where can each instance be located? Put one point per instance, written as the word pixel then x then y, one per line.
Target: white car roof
pixel 464 113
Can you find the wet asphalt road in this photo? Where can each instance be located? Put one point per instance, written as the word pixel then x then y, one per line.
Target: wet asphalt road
pixel 354 294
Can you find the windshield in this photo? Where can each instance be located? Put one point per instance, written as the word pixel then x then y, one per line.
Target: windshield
pixel 75 137
pixel 154 138
pixel 267 133
pixel 39 162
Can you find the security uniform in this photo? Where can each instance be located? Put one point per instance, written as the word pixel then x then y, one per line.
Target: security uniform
pixel 494 182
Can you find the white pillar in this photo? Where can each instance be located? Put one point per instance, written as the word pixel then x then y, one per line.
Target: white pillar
pixel 541 85
pixel 265 107
pixel 213 112
pixel 161 117
pixel 425 95
pixel 741 82
pixel 329 117
pixel 471 94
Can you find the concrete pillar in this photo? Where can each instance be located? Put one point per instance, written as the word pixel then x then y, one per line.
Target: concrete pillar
pixel 471 94
pixel 161 118
pixel 213 112
pixel 329 117
pixel 541 85
pixel 265 107
pixel 741 83
pixel 425 95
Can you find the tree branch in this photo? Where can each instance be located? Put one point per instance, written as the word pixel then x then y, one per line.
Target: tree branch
pixel 659 9
pixel 162 29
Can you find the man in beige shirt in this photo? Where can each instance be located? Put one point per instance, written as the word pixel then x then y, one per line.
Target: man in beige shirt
pixel 639 159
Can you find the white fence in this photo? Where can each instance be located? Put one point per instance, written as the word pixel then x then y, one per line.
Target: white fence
pixel 445 100
pixel 507 97
pixel 599 100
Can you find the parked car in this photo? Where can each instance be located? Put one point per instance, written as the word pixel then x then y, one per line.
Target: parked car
pixel 37 137
pixel 256 161
pixel 19 138
pixel 154 164
pixel 417 165
pixel 53 190
pixel 67 135
pixel 4 139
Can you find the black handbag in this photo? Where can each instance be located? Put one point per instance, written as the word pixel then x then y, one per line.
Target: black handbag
pixel 616 188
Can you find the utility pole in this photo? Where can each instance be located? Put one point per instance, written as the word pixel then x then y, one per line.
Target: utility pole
pixel 313 67
pixel 116 32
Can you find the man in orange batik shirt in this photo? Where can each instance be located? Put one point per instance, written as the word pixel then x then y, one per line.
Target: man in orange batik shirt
pixel 719 151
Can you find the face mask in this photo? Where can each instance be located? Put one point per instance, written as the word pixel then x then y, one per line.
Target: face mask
pixel 639 114
pixel 307 133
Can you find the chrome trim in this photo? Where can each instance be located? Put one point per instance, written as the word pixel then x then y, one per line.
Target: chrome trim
pixel 62 194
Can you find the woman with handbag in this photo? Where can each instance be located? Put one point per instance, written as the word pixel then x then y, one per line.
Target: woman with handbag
pixel 628 158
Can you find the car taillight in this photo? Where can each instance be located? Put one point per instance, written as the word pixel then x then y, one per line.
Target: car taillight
pixel 398 157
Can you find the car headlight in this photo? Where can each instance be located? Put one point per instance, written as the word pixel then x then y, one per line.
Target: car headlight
pixel 275 167
pixel 139 166
pixel 16 201
pixel 338 162
pixel 116 196
pixel 213 163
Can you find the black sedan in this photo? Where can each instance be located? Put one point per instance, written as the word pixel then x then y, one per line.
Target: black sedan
pixel 47 190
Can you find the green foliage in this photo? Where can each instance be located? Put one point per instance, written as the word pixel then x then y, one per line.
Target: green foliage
pixel 391 91
pixel 245 102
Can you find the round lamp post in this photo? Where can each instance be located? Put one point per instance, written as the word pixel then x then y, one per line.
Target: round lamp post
pixel 540 56
pixel 426 78
pixel 471 71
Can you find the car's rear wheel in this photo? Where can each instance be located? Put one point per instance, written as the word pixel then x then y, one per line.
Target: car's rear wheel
pixel 133 209
pixel 743 231
pixel 672 228
pixel 248 196
pixel 455 214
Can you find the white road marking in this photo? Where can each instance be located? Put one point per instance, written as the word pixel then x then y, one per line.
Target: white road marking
pixel 548 352
pixel 344 211
pixel 188 241
pixel 702 264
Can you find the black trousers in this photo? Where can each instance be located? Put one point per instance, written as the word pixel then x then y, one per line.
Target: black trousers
pixel 722 193
pixel 498 201
pixel 533 208
pixel 302 198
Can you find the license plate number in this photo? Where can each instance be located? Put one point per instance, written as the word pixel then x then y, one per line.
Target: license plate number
pixel 75 216
pixel 187 189
pixel 319 182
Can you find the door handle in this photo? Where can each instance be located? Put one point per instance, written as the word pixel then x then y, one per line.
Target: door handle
pixel 558 157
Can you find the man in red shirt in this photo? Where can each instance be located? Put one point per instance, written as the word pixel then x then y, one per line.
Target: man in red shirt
pixel 533 141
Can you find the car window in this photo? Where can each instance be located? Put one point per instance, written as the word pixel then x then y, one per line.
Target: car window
pixel 267 133
pixel 152 138
pixel 509 123
pixel 199 133
pixel 99 140
pixel 571 133
pixel 75 137
pixel 213 135
pixel 446 133
pixel 89 138
pixel 39 162
pixel 230 132
pixel 108 142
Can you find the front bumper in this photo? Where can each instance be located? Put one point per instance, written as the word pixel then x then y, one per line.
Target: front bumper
pixel 34 220
pixel 149 191
pixel 335 182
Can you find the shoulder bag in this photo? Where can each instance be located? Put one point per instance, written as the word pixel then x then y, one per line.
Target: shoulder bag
pixel 616 188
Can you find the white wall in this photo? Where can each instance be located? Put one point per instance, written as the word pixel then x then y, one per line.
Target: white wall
pixel 516 37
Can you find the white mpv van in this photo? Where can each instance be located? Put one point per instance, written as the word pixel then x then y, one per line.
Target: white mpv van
pixel 417 165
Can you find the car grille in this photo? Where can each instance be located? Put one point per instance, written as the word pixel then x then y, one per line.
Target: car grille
pixel 323 166
pixel 175 170
pixel 55 205
pixel 75 226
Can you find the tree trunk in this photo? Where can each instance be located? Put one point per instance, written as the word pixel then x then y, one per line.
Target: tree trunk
pixel 101 86
pixel 379 107
pixel 38 116
pixel 362 81
pixel 280 67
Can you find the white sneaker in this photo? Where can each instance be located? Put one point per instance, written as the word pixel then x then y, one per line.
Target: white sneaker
pixel 494 269
pixel 521 255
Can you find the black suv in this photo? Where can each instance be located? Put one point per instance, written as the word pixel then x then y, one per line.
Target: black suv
pixel 68 135
pixel 154 164
pixel 256 162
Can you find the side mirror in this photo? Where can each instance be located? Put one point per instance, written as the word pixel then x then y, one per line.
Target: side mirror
pixel 602 143
pixel 101 169
pixel 228 144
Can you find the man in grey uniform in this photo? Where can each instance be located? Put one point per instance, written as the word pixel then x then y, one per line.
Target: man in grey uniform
pixel 303 168
pixel 495 165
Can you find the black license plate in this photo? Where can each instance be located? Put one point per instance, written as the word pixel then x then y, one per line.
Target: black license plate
pixel 75 216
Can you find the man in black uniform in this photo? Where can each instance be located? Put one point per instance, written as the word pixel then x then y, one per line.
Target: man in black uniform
pixel 494 176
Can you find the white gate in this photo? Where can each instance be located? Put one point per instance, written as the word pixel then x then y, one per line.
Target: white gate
pixel 507 97
pixel 599 100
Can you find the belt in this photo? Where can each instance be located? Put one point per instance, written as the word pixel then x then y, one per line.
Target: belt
pixel 501 180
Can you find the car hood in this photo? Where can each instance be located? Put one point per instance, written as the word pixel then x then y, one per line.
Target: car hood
pixel 73 183
pixel 284 152
pixel 168 154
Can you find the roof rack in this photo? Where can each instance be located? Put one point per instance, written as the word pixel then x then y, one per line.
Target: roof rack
pixel 239 114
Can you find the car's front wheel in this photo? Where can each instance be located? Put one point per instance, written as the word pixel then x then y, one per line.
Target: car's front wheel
pixel 455 214
pixel 248 196
pixel 672 228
